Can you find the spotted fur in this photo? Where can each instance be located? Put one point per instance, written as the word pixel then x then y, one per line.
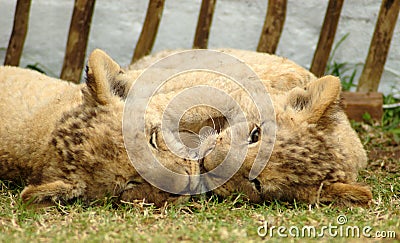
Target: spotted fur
pixel 64 141
pixel 316 156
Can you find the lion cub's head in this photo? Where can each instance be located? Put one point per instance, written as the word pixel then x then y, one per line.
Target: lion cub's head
pixel 314 157
pixel 87 158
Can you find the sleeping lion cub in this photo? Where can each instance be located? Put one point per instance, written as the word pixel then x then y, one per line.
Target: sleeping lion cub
pixel 64 141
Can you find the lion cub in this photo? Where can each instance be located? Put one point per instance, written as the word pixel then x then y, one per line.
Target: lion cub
pixel 65 141
pixel 312 159
pixel 316 154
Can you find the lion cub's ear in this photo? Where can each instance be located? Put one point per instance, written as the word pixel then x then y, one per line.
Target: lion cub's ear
pixel 320 98
pixel 101 74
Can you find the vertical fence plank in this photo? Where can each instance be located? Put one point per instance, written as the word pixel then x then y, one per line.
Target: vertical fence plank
pixel 204 24
pixel 273 26
pixel 149 29
pixel 19 31
pixel 326 37
pixel 75 51
pixel 379 47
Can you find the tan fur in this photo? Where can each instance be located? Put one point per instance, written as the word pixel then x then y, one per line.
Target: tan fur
pixel 317 154
pixel 311 160
pixel 67 141
pixel 278 73
pixel 64 141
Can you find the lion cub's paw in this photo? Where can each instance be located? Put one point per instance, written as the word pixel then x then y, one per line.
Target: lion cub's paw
pixel 347 194
pixel 49 193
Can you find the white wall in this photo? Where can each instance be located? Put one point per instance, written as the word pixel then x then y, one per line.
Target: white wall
pixel 117 24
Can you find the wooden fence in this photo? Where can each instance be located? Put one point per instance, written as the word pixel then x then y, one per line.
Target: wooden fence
pixel 268 42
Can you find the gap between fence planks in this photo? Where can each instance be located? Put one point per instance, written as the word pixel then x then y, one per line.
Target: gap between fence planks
pixel 204 24
pixel 149 29
pixel 327 35
pixel 379 47
pixel 75 51
pixel 18 35
pixel 273 26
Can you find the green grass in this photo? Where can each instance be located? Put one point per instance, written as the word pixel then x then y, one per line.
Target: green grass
pixel 345 71
pixel 210 218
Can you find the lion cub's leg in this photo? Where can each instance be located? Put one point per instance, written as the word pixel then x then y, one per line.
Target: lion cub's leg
pixel 346 194
pixel 50 192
